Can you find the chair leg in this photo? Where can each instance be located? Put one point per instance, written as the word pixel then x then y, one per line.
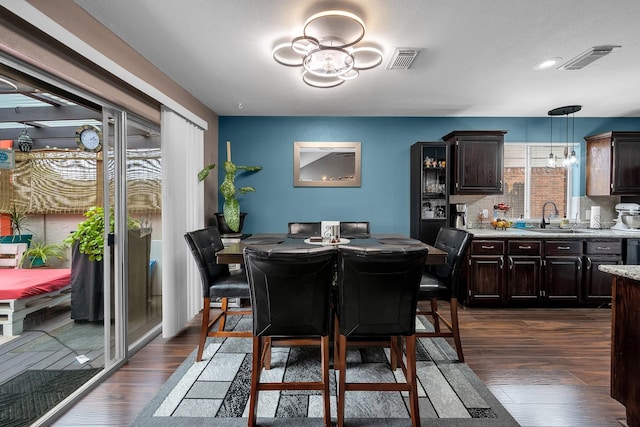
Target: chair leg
pixel 326 398
pixel 456 329
pixel 342 378
pixel 224 307
pixel 412 380
pixel 336 344
pixel 255 379
pixel 204 329
pixel 265 360
pixel 434 311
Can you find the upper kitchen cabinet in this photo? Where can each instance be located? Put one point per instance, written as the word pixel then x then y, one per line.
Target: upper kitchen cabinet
pixel 613 164
pixel 477 161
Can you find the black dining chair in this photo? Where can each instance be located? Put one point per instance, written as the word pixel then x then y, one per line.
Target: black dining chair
pixel 441 282
pixel 290 299
pixel 376 302
pixel 302 230
pixel 355 230
pixel 218 283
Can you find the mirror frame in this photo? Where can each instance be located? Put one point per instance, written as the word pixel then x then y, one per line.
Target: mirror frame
pixel 333 146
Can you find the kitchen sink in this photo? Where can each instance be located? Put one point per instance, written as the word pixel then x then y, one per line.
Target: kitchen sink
pixel 562 230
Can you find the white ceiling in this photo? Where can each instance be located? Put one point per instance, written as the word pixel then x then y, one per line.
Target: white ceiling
pixel 477 57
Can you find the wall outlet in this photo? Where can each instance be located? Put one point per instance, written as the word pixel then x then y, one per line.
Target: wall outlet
pixel 485 213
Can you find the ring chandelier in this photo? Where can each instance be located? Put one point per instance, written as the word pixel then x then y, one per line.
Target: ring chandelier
pixel 327 51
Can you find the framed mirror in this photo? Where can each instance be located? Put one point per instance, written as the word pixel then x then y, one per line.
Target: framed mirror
pixel 326 164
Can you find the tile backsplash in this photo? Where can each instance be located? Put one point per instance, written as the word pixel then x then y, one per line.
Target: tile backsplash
pixel 475 205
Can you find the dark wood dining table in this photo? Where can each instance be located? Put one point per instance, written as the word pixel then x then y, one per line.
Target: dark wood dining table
pixel 232 252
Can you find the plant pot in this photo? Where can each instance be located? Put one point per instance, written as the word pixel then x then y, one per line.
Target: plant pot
pixel 33 262
pixel 15 238
pixel 224 229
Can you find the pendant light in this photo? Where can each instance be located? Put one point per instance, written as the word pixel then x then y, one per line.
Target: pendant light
pixel 551 162
pixel 570 158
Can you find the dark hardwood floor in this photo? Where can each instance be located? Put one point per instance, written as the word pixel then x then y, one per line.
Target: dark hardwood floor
pixel 548 367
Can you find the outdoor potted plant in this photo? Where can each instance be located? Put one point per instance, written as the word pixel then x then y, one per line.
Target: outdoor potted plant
pixel 18 219
pixel 87 267
pixel 231 207
pixel 39 254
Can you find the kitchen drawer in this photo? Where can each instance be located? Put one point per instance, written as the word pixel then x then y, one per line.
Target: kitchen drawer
pixel 525 247
pixel 562 247
pixel 608 247
pixel 487 247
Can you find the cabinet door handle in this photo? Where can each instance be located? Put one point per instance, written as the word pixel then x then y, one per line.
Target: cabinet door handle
pixel 600 248
pixel 501 263
pixel 588 263
pixel 564 247
pixel 487 247
pixel 524 247
pixel 579 264
pixel 510 263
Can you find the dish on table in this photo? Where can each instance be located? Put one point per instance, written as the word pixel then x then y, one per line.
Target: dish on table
pixel 341 242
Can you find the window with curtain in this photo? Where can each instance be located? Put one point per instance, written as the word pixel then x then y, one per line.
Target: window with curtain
pixel 65 182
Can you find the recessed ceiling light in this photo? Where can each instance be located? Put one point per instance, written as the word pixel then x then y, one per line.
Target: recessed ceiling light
pixel 547 63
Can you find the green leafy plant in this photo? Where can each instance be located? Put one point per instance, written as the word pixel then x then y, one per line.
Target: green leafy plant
pixel 18 219
pixel 90 233
pixel 42 251
pixel 231 206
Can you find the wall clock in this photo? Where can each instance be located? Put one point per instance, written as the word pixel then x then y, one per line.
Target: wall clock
pixel 89 138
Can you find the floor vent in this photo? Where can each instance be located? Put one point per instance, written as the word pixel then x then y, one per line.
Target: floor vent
pixel 402 58
pixel 586 58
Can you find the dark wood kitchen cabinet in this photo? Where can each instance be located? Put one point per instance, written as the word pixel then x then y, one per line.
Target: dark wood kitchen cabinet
pixel 524 276
pixel 613 164
pixel 477 161
pixel 485 272
pixel 563 270
pixel 597 284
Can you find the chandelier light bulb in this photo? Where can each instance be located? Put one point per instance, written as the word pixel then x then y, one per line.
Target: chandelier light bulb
pixel 551 162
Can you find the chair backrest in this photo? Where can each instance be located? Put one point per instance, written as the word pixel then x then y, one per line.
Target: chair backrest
pixel 204 244
pixel 303 229
pixel 455 242
pixel 290 289
pixel 355 230
pixel 377 290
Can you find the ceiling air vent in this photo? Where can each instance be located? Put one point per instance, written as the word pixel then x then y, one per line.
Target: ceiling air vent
pixel 402 58
pixel 586 58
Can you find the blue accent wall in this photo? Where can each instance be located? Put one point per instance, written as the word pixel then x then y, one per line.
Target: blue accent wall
pixel 383 198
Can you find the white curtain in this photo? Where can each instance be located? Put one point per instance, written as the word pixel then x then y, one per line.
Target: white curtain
pixel 182 207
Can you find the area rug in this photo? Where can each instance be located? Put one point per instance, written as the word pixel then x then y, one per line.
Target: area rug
pixel 31 394
pixel 215 391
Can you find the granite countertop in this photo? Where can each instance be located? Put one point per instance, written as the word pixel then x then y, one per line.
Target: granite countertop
pixel 546 233
pixel 628 271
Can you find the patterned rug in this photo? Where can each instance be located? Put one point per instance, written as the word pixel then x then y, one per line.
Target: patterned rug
pixel 215 391
pixel 31 394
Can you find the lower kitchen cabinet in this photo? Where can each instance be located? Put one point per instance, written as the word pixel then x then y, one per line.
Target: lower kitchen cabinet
pixel 540 272
pixel 524 277
pixel 563 270
pixel 485 272
pixel 597 285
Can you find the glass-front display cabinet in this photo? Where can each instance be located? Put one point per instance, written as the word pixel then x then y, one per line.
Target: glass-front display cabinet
pixel 429 190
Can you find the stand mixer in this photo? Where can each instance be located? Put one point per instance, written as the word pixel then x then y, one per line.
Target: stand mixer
pixel 626 209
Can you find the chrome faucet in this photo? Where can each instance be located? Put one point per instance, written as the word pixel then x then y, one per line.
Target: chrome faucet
pixel 543 224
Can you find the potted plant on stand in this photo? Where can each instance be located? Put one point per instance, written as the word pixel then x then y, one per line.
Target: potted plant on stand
pixel 18 219
pixel 231 220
